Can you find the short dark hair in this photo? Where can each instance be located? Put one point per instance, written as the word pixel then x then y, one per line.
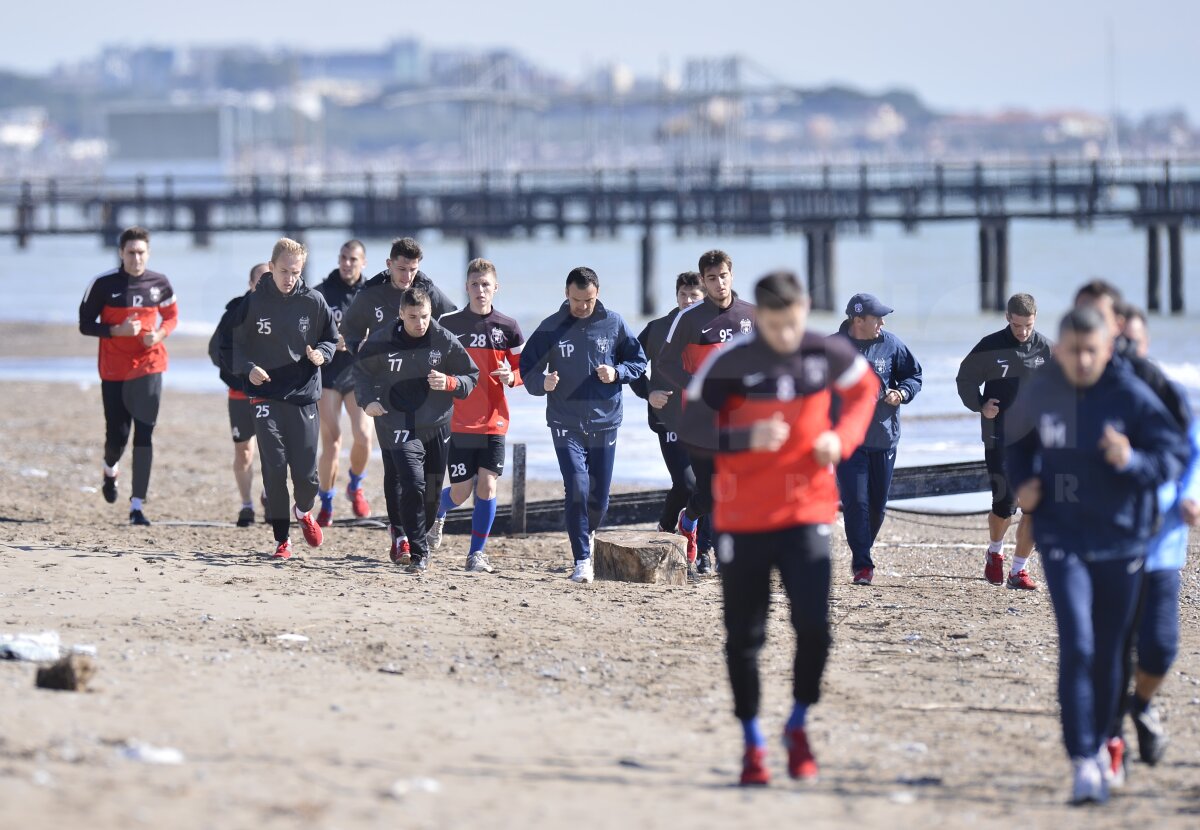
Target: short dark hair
pixel 135 234
pixel 715 257
pixel 1132 312
pixel 355 243
pixel 415 296
pixel 255 267
pixel 1081 321
pixel 1097 289
pixel 688 279
pixel 1022 305
pixel 779 290
pixel 406 247
pixel 582 277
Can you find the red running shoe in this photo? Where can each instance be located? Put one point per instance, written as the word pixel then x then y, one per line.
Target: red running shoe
pixel 401 553
pixel 690 535
pixel 358 503
pixel 312 531
pixel 993 572
pixel 754 768
pixel 801 764
pixel 324 517
pixel 863 576
pixel 284 550
pixel 1021 581
pixel 1114 773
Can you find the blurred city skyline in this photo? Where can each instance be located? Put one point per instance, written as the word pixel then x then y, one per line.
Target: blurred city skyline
pixel 1018 55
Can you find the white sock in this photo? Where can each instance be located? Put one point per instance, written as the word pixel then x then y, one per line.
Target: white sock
pixel 135 503
pixel 996 546
pixel 1018 564
pixel 300 514
pixel 247 505
pixel 111 472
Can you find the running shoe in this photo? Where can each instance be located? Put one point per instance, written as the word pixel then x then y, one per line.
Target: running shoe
pixel 434 537
pixel 324 517
pixel 478 563
pixel 1112 762
pixel 864 576
pixel 704 562
pixel 418 565
pixel 284 550
pixel 109 489
pixel 398 553
pixel 1152 738
pixel 358 502
pixel 245 517
pixel 312 531
pixel 993 571
pixel 1021 581
pixel 689 535
pixel 801 764
pixel 137 517
pixel 583 571
pixel 1089 786
pixel 754 768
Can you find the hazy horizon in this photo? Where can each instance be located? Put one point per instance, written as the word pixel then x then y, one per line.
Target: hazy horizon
pixel 1028 55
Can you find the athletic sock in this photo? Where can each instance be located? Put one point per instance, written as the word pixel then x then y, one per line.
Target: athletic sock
pixel 753 733
pixel 798 717
pixel 135 503
pixel 686 523
pixel 327 499
pixel 1018 564
pixel 111 472
pixel 1136 705
pixel 356 479
pixel 247 505
pixel 447 504
pixel 481 522
pixel 995 547
pixel 300 514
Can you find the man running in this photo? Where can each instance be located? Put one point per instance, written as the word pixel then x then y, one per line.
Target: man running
pixel 131 310
pixel 578 358
pixel 377 306
pixel 1001 364
pixel 688 291
pixel 763 407
pixel 408 376
pixel 480 420
pixel 697 332
pixel 282 334
pixel 241 413
pixel 1095 445
pixel 865 477
pixel 337 391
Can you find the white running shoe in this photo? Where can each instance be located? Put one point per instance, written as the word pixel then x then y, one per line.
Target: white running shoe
pixel 478 563
pixel 434 537
pixel 1089 786
pixel 583 571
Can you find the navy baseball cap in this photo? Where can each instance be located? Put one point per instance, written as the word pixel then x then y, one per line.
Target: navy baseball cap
pixel 861 304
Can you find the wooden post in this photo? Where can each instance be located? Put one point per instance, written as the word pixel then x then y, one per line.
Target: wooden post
pixel 648 272
pixel 987 286
pixel 1000 240
pixel 517 522
pixel 829 244
pixel 25 215
pixel 201 227
pixel 1175 265
pixel 1153 270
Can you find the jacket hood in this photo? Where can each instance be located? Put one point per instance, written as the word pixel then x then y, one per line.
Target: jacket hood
pixel 269 289
pixel 383 277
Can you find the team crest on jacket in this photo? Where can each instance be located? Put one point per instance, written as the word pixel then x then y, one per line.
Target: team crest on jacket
pixel 303 325
pixel 602 344
pixel 435 358
pixel 746 326
pixel 498 335
pixel 155 292
pixel 814 371
pixel 880 365
pixel 1038 361
pixel 785 388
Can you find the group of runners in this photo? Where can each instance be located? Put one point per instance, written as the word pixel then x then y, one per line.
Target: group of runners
pixel 764 426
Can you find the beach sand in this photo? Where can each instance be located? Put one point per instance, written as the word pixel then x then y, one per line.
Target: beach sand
pixel 511 700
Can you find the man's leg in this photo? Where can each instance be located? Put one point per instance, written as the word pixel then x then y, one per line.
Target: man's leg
pixel 117 421
pixel 683 479
pixel 1157 646
pixel 853 486
pixel 410 471
pixel 243 470
pixel 360 449
pixel 241 425
pixel 572 463
pixel 1070 584
pixel 883 462
pixel 302 456
pixel 601 458
pixel 142 398
pixel 1116 593
pixel 330 407
pixel 437 452
pixel 273 461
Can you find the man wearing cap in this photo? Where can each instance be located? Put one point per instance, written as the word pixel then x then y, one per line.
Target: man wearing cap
pixel 865 478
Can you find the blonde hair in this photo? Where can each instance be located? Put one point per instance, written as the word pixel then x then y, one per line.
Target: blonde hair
pixel 480 266
pixel 288 247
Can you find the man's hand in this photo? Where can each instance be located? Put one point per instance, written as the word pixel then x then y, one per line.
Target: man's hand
pixel 1117 451
pixel 827 449
pixel 152 338
pixel 607 374
pixel 1189 509
pixel 437 381
pixel 1029 495
pixel 551 382
pixel 990 409
pixel 315 357
pixel 259 376
pixel 130 328
pixel 893 397
pixel 769 435
pixel 341 344
pixel 374 409
pixel 504 374
pixel 659 398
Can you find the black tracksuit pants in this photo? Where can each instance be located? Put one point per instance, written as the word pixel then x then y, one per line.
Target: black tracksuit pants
pixel 131 404
pixel 413 474
pixel 287 439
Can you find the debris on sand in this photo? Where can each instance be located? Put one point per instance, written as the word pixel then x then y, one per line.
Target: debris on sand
pixel 36 648
pixel 147 754
pixel 411 786
pixel 73 673
pixel 292 638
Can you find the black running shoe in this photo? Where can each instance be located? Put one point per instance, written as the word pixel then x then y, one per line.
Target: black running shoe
pixel 704 563
pixel 1152 738
pixel 418 565
pixel 137 517
pixel 109 489
pixel 245 517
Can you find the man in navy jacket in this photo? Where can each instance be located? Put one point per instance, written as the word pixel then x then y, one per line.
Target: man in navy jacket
pixel 865 478
pixel 578 358
pixel 1096 445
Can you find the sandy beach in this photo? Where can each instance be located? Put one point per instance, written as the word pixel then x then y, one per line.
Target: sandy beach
pixel 509 700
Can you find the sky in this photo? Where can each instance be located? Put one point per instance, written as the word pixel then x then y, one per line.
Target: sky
pixel 963 55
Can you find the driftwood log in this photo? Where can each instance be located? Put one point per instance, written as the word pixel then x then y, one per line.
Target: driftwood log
pixel 645 556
